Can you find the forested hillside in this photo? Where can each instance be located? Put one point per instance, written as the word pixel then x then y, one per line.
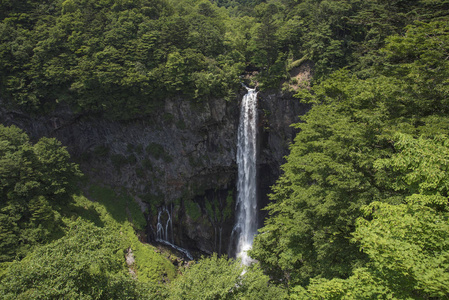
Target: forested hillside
pixel 56 243
pixel 125 57
pixel 361 210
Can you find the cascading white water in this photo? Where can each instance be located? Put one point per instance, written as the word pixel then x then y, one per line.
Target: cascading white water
pixel 162 232
pixel 246 224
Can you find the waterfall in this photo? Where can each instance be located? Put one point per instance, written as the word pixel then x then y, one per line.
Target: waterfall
pixel 246 207
pixel 163 229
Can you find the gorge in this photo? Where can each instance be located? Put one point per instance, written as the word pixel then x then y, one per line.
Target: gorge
pixel 181 160
pixel 135 163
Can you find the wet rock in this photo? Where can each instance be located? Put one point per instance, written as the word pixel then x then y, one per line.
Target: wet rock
pixel 181 154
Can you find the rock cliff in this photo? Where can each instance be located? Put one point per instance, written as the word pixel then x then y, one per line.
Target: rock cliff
pixel 180 159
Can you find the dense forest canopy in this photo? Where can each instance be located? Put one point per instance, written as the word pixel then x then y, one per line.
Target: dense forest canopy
pixel 361 210
pixel 103 56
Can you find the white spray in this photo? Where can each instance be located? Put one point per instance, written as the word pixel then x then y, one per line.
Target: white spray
pixel 246 217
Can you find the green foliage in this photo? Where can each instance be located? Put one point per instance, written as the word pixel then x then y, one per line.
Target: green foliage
pixel 192 209
pixel 118 160
pixel 419 58
pixel 343 158
pixel 30 170
pixel 86 263
pixel 220 209
pixel 34 181
pixel 328 177
pixel 104 57
pixel 125 59
pixel 122 207
pixel 361 285
pixel 154 200
pixel 101 151
pixel 367 171
pixel 149 266
pixel 158 152
pixel 89 260
pixel 139 149
pixel 67 246
pixel 420 166
pixel 227 210
pixel 146 163
pixel 408 246
pixel 408 249
pixel 220 278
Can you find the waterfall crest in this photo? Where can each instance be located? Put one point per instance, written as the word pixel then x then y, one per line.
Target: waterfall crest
pixel 246 206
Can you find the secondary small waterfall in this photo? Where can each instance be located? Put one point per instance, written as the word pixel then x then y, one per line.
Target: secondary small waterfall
pixel 163 230
pixel 246 216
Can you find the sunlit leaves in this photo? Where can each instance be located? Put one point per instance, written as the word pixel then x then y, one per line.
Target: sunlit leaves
pixel 358 145
pixel 421 58
pixel 104 56
pixel 87 263
pixel 327 178
pixel 408 245
pixel 34 179
pixel 222 278
pixel 420 166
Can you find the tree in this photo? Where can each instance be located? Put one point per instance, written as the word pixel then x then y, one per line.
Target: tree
pixel 333 168
pixel 407 243
pixel 34 181
pixel 420 58
pixel 221 278
pixel 329 175
pixel 87 263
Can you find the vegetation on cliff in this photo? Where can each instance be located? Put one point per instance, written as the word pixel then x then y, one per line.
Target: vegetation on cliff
pixel 57 243
pixel 361 210
pixel 71 247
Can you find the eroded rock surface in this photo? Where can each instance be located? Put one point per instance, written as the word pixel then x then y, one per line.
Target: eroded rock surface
pixel 183 156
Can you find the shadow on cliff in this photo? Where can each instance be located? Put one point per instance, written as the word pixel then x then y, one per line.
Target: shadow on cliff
pixel 86 213
pixel 118 204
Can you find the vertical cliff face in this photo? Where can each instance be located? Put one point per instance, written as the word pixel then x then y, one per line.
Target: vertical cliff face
pixel 277 112
pixel 182 157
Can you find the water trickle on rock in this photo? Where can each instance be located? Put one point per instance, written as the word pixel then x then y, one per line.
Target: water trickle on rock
pixel 163 229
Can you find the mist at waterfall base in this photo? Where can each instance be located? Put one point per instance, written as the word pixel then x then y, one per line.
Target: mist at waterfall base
pixel 246 206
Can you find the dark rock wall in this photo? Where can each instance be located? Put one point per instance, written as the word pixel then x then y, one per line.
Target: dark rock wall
pixel 181 157
pixel 277 111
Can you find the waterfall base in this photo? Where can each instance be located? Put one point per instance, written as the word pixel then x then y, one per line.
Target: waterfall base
pixel 177 248
pixel 243 255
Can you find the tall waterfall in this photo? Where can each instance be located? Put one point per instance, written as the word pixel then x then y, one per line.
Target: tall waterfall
pixel 246 224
